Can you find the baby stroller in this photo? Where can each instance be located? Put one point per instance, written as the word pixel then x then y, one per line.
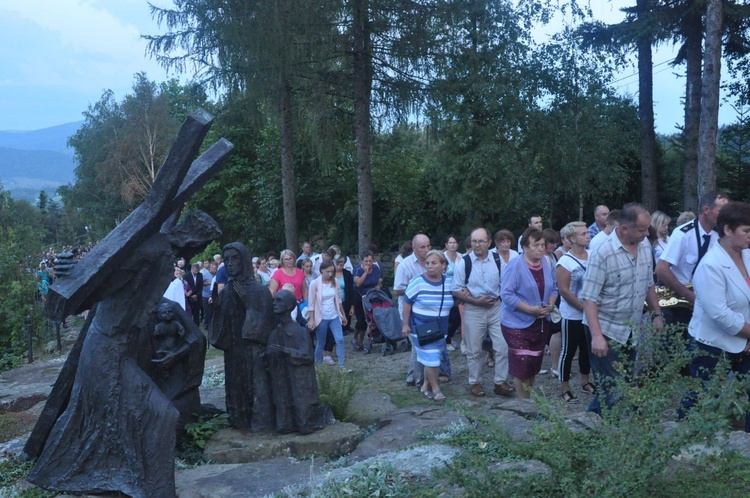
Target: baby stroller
pixel 383 322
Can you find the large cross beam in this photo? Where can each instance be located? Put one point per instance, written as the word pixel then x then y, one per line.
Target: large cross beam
pixel 175 182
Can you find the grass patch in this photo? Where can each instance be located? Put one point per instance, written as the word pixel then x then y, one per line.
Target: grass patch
pixel 13 469
pixel 9 427
pixel 337 389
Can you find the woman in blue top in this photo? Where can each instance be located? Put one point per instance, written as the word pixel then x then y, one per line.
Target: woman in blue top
pixel 428 298
pixel 528 292
pixel 366 277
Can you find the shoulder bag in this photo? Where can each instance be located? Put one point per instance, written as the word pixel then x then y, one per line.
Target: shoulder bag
pixel 429 332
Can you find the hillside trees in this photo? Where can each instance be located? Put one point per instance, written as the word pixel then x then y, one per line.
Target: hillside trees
pixel 120 148
pixel 258 49
pixel 640 30
pixel 20 240
pixel 481 94
pixel 584 140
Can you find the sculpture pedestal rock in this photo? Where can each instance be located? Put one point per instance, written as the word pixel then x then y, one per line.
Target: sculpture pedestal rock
pixel 239 446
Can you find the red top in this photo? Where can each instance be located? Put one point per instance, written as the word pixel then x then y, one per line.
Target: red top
pixel 297 280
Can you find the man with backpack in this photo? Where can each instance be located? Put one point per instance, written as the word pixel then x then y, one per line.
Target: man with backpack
pixel 476 281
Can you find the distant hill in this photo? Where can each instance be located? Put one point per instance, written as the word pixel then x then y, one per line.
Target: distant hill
pixel 54 138
pixel 31 161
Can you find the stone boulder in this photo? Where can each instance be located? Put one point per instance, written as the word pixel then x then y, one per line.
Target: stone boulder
pixel 245 480
pixel 236 446
pixel 368 409
pixel 406 427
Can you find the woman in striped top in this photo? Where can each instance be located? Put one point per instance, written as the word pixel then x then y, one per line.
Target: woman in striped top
pixel 428 298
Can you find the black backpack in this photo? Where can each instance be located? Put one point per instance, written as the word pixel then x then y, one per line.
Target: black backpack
pixel 467 265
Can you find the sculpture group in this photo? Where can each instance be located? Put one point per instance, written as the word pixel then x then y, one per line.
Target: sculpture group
pixel 131 381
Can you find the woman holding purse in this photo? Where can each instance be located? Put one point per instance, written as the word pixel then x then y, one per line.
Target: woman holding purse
pixel 427 304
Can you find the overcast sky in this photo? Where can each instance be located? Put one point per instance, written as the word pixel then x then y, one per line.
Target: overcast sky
pixel 58 56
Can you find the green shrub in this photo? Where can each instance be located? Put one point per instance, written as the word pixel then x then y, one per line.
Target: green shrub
pixel 631 450
pixel 337 389
pixel 198 433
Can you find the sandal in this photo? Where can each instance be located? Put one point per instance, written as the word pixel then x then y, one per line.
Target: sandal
pixel 568 397
pixel 438 396
pixel 427 394
pixel 444 378
pixel 356 346
pixel 588 387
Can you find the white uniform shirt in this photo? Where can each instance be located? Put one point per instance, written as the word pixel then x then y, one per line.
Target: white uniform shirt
pixel 597 241
pixel 682 249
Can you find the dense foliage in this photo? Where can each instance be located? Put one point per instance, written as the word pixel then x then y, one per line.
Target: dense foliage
pixel 469 120
pixel 20 242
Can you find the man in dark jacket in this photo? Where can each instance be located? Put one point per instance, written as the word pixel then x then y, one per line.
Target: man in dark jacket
pixel 195 281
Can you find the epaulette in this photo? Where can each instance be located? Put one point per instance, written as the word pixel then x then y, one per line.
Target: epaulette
pixel 688 227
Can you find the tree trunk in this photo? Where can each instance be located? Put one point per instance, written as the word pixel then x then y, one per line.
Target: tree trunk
pixel 649 195
pixel 287 169
pixel 709 121
pixel 361 32
pixel 693 59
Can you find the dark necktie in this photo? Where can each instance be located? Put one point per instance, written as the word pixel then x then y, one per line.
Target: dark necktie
pixel 704 247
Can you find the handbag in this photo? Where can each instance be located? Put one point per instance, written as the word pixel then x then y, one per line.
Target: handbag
pixel 429 332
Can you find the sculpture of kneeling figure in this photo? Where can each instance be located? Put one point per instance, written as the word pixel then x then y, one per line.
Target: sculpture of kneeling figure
pixel 294 386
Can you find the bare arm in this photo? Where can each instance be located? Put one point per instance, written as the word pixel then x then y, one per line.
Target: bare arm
pixel 273 286
pixel 405 328
pixel 484 301
pixel 653 305
pixel 563 286
pixel 598 343
pixel 358 281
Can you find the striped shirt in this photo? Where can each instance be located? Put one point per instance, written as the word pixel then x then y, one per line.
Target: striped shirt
pixel 425 296
pixel 618 283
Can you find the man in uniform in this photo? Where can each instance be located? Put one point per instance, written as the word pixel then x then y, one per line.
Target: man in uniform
pixel 687 245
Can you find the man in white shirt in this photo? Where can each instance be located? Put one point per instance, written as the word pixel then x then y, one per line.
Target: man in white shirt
pixel 686 247
pixel 409 268
pixel 599 238
pixel 480 293
pixel 534 221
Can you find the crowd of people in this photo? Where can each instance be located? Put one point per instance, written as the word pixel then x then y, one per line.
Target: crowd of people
pixel 577 293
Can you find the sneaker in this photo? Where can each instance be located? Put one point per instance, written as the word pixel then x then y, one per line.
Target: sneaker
pixel 463 348
pixel 450 347
pixel 503 389
pixel 356 346
pixel 477 390
pixel 328 360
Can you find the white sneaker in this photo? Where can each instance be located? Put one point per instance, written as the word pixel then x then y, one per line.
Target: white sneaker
pixel 450 347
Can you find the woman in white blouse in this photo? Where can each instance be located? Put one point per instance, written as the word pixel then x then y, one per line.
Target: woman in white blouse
pixel 721 317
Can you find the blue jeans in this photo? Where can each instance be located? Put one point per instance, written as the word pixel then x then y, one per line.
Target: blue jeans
pixel 338 335
pixel 605 373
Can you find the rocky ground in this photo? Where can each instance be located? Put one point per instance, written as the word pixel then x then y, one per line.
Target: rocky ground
pixel 387 421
